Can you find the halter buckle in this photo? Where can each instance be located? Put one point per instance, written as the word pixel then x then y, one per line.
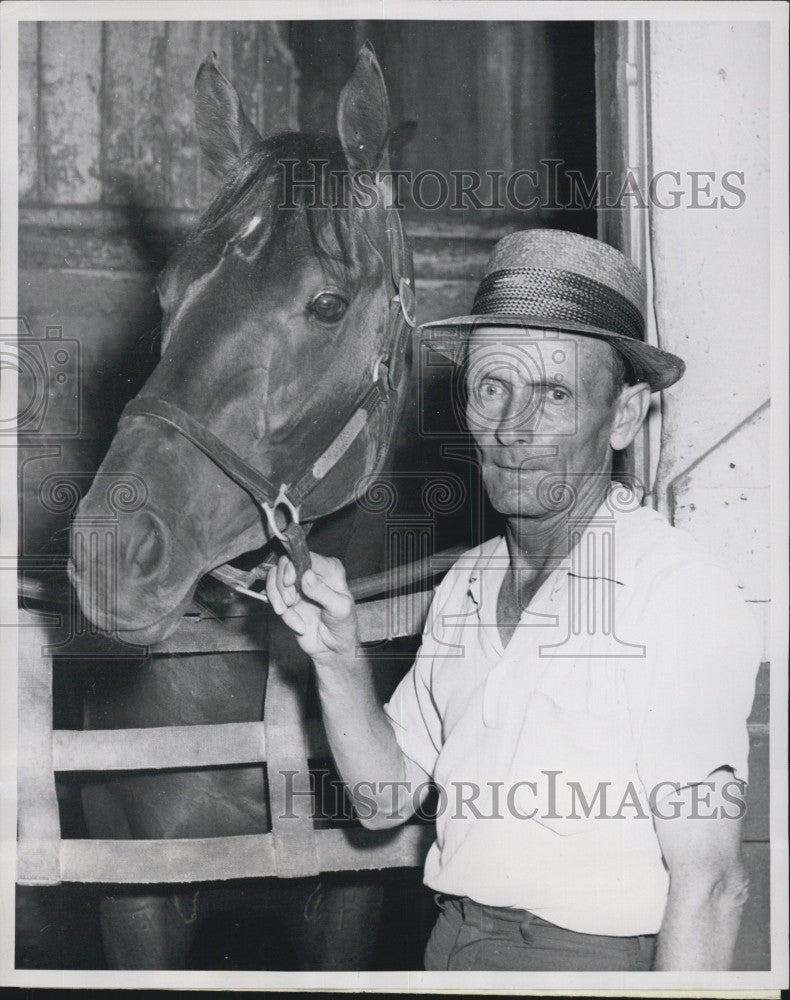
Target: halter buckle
pixel 382 361
pixel 408 302
pixel 282 499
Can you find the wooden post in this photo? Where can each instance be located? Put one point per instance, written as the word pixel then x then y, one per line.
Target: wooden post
pixel 290 799
pixel 38 820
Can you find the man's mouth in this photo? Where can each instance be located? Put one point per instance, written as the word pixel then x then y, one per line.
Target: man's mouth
pixel 527 465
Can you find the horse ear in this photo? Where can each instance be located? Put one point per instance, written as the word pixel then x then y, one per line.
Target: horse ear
pixel 224 130
pixel 363 114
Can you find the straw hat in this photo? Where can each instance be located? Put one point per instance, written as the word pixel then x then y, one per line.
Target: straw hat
pixel 557 280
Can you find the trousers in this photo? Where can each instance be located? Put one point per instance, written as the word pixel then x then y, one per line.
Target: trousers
pixel 472 937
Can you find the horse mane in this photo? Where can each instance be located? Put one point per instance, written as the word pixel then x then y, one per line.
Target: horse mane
pixel 316 163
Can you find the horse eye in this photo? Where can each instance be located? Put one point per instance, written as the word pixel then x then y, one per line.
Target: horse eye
pixel 329 307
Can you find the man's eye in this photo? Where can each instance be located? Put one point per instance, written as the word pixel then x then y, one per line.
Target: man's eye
pixel 328 307
pixel 490 389
pixel 557 394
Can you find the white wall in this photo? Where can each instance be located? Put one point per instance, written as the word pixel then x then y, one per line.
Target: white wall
pixel 708 108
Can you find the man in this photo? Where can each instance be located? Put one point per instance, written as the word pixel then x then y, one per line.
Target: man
pixel 581 693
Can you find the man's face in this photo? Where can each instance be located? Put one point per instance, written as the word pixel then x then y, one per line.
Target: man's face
pixel 540 409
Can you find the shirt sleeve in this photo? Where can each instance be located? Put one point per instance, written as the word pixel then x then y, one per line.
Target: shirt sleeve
pixel 702 652
pixel 412 710
pixel 414 717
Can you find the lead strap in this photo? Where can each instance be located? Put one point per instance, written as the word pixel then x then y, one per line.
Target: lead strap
pixel 295 544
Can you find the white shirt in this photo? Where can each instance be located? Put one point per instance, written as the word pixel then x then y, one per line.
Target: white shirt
pixel 634 666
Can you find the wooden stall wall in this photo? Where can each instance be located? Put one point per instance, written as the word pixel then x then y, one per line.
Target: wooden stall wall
pixel 111 176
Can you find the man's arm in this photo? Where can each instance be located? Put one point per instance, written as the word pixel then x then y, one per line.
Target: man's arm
pixel 360 736
pixel 708 883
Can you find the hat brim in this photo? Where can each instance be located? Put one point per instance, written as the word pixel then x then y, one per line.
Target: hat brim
pixel 658 368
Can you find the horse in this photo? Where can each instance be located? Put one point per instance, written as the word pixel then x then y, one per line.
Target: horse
pixel 285 356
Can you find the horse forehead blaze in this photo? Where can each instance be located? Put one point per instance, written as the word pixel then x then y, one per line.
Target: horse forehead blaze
pixel 256 248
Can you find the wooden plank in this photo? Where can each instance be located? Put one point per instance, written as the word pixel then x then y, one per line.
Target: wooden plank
pixel 183 55
pixel 497 62
pixel 243 39
pixel 159 747
pixel 468 229
pixel 535 104
pixel 70 137
pixel 28 111
pixel 611 122
pixel 279 100
pixel 249 856
pixel 244 743
pixel 437 299
pixel 378 620
pixel 145 247
pixel 93 238
pixel 753 946
pixel 443 59
pixel 757 821
pixel 290 799
pixel 38 820
pixel 322 78
pixel 113 320
pixel 134 145
pixel 156 861
pixel 762 689
pixel 106 218
pixel 357 849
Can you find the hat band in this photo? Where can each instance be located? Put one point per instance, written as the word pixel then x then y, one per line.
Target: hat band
pixel 544 291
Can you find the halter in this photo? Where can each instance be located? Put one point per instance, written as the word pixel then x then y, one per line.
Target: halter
pixel 286 499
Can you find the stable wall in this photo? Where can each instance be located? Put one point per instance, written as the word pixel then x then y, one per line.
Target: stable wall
pixel 709 97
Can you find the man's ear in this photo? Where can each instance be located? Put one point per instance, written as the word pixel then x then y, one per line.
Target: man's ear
pixel 224 130
pixel 632 406
pixel 363 114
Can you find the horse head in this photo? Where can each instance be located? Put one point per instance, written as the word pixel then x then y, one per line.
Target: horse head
pixel 283 354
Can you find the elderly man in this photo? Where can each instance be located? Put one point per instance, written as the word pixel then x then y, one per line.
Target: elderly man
pixel 581 693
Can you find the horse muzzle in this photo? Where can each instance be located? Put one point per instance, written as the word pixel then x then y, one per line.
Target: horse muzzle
pixel 156 519
pixel 125 573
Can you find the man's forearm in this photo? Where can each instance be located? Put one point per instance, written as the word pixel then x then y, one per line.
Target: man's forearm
pixel 362 741
pixel 700 926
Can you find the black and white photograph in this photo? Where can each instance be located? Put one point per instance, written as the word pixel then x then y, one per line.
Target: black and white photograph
pixel 394 502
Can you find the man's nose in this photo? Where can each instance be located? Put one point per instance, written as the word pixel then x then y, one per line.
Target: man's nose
pixel 519 420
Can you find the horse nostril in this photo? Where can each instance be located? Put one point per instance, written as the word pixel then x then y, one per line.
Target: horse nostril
pixel 147 546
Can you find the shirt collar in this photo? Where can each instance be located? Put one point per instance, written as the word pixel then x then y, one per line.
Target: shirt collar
pixel 613 561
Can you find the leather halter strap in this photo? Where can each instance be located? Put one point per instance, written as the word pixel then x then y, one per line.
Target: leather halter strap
pixel 270 497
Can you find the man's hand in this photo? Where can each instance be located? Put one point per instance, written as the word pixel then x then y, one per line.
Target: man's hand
pixel 323 617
